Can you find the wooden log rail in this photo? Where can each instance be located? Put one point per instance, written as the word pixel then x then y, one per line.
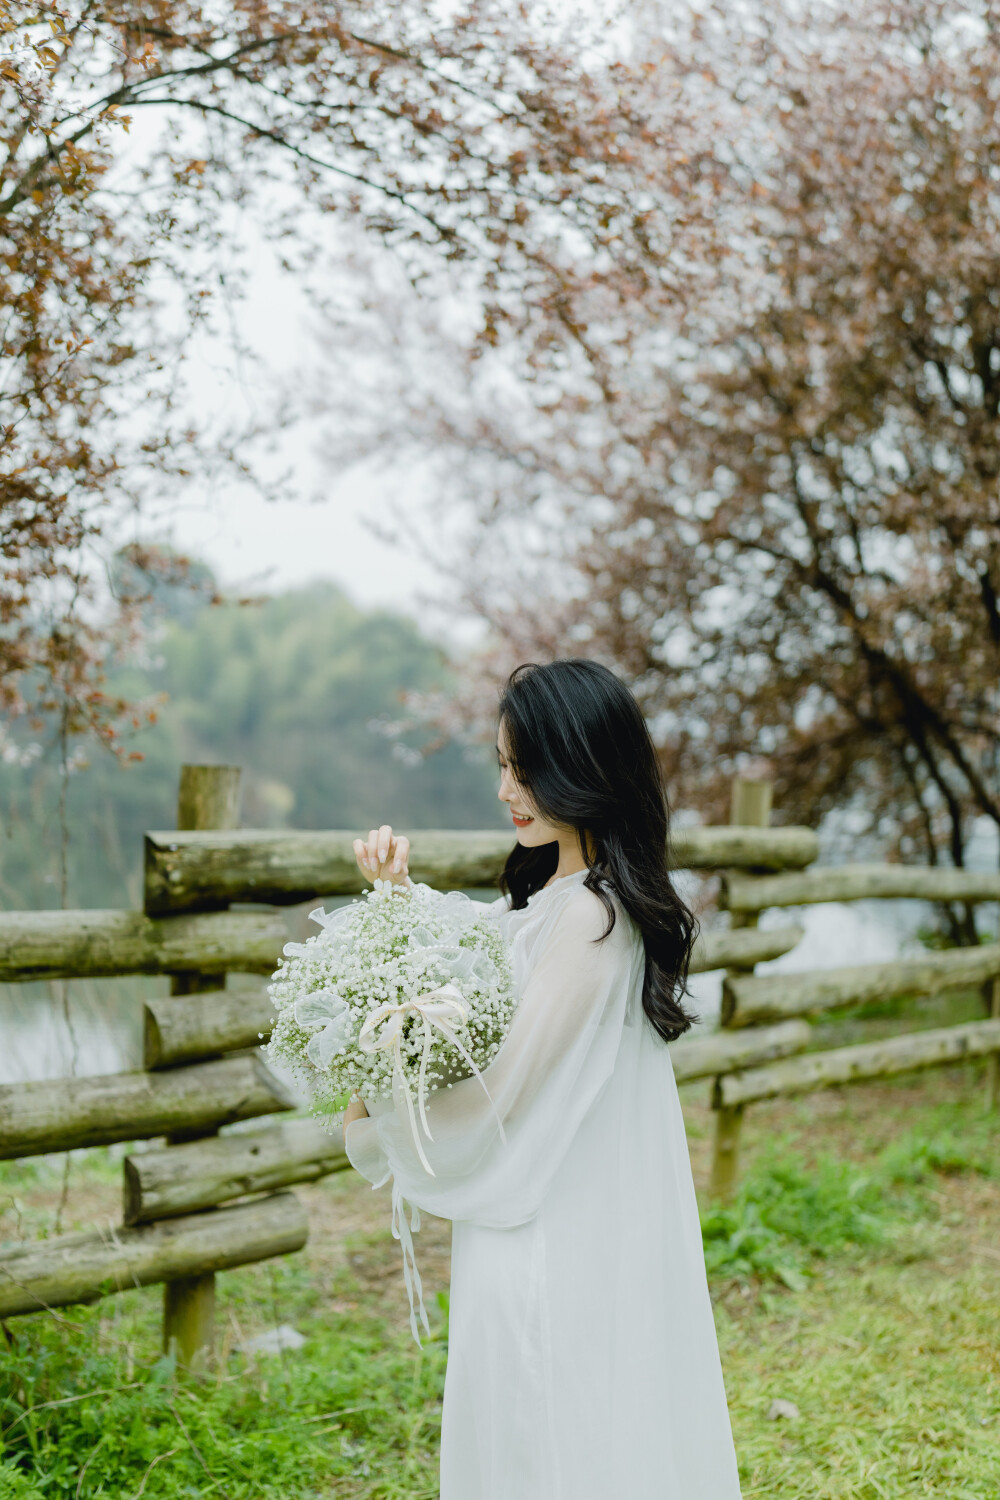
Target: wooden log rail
pixel 748 893
pixel 726 1052
pixel 180 1179
pixel 188 1028
pixel 82 1267
pixel 59 1116
pixel 196 870
pixel 94 944
pixel 900 1054
pixel 754 999
pixel 742 947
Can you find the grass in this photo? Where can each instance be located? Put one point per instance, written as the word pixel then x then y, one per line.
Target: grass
pixel 92 1409
pixel 856 1276
pixel 890 1353
pixel 895 1378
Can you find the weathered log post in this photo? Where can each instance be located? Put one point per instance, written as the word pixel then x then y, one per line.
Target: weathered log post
pixel 993 1066
pixel 750 807
pixel 208 797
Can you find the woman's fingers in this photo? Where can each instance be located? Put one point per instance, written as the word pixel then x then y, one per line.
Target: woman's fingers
pixel 366 854
pixel 375 854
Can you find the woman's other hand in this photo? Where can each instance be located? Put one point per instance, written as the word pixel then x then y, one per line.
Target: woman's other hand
pixel 384 856
pixel 354 1111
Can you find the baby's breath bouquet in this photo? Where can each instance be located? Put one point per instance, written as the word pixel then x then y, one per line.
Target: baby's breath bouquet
pixel 403 992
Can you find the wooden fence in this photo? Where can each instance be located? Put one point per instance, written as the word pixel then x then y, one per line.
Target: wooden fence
pixel 202 1201
pixel 758 1004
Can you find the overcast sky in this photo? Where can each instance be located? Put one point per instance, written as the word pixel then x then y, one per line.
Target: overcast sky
pixel 250 539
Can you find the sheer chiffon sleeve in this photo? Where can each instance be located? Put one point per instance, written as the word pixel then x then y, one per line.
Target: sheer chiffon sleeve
pixel 558 1055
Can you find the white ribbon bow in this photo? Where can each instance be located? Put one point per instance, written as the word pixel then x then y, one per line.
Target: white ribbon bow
pixel 440 1010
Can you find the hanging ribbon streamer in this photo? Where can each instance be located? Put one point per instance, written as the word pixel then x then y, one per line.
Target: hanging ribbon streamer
pixel 382 1031
pixel 401 1231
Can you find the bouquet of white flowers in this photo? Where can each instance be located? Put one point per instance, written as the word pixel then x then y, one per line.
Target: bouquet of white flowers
pixel 405 991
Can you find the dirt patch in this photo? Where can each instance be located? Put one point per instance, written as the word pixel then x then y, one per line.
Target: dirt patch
pixel 351 1248
pixel 30 1195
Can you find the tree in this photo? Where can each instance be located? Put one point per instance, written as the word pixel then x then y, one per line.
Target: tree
pixel 70 275
pixel 300 689
pixel 474 138
pixel 759 473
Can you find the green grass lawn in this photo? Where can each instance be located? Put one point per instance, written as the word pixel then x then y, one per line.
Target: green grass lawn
pixel 857 1277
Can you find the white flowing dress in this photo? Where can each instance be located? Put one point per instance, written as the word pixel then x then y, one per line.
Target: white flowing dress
pixel 583 1362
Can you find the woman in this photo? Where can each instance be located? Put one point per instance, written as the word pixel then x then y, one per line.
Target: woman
pixel 583 1362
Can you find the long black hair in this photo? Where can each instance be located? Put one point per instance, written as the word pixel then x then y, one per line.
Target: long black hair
pixel 577 742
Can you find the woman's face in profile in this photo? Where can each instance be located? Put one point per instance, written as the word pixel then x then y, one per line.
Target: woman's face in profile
pixel 530 827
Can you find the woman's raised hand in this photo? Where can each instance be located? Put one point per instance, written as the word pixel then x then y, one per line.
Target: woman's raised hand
pixel 384 856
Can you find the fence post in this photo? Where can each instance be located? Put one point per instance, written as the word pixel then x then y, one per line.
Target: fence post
pixel 750 807
pixel 993 1066
pixel 208 797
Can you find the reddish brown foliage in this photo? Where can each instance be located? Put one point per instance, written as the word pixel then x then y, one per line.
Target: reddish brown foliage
pixel 467 138
pixel 759 455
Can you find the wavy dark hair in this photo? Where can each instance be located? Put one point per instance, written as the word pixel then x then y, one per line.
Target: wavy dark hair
pixel 578 744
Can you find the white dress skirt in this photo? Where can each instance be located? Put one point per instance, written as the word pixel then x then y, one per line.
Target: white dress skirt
pixel 583 1362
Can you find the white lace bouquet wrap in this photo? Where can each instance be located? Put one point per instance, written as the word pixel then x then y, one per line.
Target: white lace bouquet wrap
pixel 398 994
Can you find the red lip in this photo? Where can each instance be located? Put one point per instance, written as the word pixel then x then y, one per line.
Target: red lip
pixel 521 822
